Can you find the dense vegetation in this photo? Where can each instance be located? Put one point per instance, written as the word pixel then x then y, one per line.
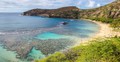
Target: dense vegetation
pixel 100 50
pixel 115 23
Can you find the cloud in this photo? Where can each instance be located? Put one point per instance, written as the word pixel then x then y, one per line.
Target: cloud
pixel 79 2
pixel 12 5
pixel 23 5
pixel 98 5
pixel 91 3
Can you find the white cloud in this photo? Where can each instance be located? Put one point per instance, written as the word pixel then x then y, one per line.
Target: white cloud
pixel 12 5
pixel 91 3
pixel 98 5
pixel 79 2
pixel 9 5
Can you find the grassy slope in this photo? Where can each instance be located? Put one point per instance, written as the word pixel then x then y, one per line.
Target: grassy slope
pixel 100 50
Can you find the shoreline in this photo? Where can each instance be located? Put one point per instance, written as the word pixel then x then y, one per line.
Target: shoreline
pixel 104 31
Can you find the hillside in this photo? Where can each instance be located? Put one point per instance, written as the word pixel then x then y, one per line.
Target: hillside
pixel 64 12
pixel 111 10
pixel 109 13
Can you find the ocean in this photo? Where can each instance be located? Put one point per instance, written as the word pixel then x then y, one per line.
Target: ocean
pixel 27 38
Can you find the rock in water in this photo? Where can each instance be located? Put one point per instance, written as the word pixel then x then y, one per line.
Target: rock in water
pixel 64 23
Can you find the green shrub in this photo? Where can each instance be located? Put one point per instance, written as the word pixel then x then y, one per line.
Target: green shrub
pixel 105 51
pixel 57 57
pixel 100 50
pixel 116 23
pixel 103 19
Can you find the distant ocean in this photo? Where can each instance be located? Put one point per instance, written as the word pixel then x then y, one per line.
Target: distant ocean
pixel 26 38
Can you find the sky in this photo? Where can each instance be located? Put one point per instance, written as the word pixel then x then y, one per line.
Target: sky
pixel 24 5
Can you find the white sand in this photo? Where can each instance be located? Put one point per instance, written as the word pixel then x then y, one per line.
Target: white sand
pixel 105 31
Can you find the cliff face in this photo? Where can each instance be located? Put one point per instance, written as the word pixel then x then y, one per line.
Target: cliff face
pixel 64 12
pixel 108 11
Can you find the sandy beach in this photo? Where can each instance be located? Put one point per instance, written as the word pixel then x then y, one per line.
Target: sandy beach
pixel 104 31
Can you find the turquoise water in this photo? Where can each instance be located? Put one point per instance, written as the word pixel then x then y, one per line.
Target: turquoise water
pixel 50 35
pixel 27 38
pixel 35 54
pixel 7 56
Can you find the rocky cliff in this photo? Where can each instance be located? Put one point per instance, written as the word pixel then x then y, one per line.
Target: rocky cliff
pixel 64 12
pixel 111 10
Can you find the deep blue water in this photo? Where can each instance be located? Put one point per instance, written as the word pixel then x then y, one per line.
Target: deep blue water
pixel 46 35
pixel 13 21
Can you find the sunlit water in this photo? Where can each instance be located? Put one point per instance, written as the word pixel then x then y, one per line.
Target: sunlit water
pixel 27 38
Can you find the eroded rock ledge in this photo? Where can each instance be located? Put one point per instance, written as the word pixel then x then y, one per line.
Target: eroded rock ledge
pixel 111 10
pixel 64 12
